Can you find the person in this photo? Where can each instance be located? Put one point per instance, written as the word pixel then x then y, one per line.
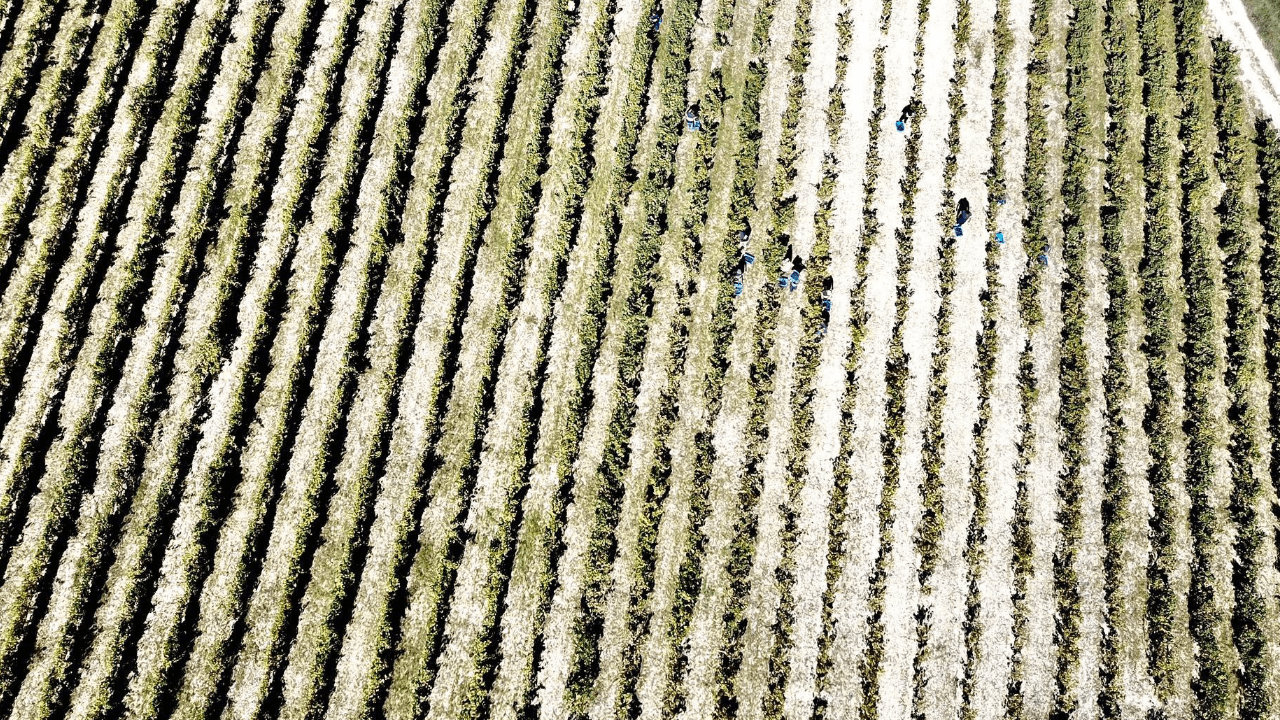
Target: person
pixel 656 20
pixel 744 236
pixel 797 268
pixel 905 117
pixel 962 216
pixel 737 281
pixel 784 270
pixel 691 119
pixel 1000 238
pixel 825 301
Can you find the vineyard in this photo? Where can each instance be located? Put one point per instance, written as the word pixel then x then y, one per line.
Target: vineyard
pixel 639 359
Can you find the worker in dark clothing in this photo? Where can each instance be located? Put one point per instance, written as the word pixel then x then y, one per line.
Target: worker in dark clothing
pixel 656 20
pixel 691 118
pixel 962 215
pixel 908 112
pixel 792 266
pixel 784 270
pixel 825 301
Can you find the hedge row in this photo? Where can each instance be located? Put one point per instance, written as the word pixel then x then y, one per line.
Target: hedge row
pixel 897 371
pixel 774 206
pixel 649 196
pixel 1075 391
pixel 1208 610
pixel 126 419
pixel 928 538
pixel 1268 160
pixel 1159 285
pixel 859 316
pixel 1239 239
pixel 1121 201
pixel 716 261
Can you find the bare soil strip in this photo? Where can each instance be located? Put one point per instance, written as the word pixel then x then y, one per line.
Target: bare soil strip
pixel 946 653
pixel 904 599
pixel 996 603
pixel 1040 656
pixel 812 558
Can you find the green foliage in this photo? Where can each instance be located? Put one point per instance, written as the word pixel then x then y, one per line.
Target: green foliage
pixel 1211 683
pixel 1082 120
pixel 1239 239
pixel 1036 191
pixel 843 472
pixel 1159 292
pixel 1120 203
pixel 652 190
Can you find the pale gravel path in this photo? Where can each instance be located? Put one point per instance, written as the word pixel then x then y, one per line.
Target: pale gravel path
pixel 616 640
pixel 566 604
pixel 904 597
pixel 706 636
pixel 851 603
pixel 995 588
pixel 1040 652
pixel 960 413
pixel 1258 70
pixel 522 615
pixel 657 652
pixel 809 587
pixel 812 139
